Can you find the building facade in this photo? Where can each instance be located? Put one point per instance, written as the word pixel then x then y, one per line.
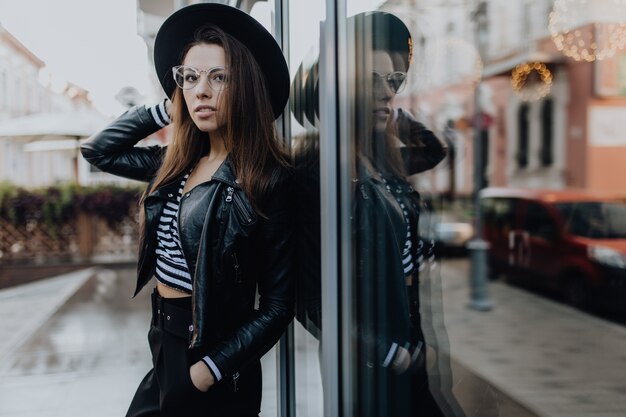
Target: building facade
pixel 21 94
pixel 563 139
pixel 44 126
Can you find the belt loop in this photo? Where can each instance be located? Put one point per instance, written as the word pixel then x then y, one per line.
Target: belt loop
pixel 155 318
pixel 157 308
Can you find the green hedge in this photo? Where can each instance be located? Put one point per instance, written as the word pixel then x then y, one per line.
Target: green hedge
pixel 61 203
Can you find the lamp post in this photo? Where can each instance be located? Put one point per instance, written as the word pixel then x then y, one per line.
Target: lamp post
pixel 479 297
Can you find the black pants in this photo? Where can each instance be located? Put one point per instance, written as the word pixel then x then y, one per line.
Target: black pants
pixel 167 390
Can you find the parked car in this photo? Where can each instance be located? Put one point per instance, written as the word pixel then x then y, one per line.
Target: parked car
pixel 570 241
pixel 450 232
pixel 452 236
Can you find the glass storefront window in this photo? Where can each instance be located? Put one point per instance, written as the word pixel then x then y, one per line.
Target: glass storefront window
pixel 391 249
pixel 305 20
pixel 411 98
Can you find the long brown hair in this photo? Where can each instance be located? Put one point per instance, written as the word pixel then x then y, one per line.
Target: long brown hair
pixel 254 149
pixel 378 148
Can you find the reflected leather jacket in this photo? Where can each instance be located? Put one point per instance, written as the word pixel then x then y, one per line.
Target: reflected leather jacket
pixel 239 250
pixel 379 235
pixel 422 151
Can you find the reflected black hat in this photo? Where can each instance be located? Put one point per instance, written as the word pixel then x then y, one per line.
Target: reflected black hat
pixel 387 31
pixel 178 31
pixel 305 90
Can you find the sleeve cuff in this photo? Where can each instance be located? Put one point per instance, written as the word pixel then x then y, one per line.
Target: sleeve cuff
pixel 159 114
pixel 390 355
pixel 213 368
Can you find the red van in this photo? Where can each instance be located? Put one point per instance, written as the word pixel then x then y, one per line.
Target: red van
pixel 566 240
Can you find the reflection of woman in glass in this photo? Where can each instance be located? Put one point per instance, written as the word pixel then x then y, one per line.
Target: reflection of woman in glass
pixel 389 146
pixel 217 223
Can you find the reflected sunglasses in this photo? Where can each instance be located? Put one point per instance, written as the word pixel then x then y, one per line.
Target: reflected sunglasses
pixel 395 80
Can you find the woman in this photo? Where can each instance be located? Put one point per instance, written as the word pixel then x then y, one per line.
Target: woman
pixel 217 223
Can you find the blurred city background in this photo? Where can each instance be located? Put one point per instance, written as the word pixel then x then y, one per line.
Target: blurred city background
pixel 529 283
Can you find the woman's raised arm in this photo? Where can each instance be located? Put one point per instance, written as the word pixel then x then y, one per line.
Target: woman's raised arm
pixel 113 149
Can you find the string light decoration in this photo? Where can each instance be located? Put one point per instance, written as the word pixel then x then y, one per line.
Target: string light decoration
pixel 529 91
pixel 605 35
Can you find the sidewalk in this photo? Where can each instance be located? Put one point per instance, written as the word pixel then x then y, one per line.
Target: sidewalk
pixel 555 360
pixel 23 309
pixel 72 345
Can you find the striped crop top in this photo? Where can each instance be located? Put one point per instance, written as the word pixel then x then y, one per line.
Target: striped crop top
pixel 171 267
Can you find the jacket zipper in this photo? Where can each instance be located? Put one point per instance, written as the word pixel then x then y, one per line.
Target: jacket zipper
pixel 243 210
pixel 237 271
pixel 193 293
pixel 230 197
pixel 235 379
pixel 363 192
pixel 180 206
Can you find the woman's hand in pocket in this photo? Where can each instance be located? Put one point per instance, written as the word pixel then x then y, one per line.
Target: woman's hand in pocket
pixel 201 377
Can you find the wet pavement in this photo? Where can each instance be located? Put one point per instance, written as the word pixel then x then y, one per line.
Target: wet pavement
pixel 25 308
pixel 76 345
pixel 553 359
pixel 86 359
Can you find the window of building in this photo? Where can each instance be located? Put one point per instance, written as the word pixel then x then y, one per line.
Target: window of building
pixel 547 133
pixel 3 89
pixel 18 97
pixel 523 136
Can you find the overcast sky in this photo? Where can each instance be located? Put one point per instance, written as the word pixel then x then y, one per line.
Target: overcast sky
pixel 94 43
pixel 91 43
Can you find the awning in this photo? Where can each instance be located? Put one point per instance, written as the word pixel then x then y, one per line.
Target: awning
pixel 80 123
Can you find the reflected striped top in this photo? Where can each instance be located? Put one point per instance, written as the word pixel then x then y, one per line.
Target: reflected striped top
pixel 171 267
pixel 410 259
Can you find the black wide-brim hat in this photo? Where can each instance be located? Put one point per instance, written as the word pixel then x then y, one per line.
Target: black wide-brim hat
pixel 178 31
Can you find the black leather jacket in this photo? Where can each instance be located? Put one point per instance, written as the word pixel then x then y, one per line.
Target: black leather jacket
pixel 230 250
